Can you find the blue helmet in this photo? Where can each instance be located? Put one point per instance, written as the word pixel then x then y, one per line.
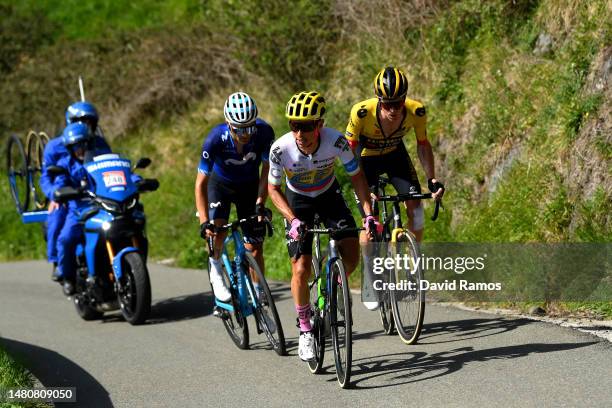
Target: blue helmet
pixel 75 133
pixel 82 111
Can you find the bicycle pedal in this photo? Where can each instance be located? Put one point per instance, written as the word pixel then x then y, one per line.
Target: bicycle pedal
pixel 220 312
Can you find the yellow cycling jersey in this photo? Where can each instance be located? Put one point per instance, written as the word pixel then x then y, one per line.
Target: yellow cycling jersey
pixel 364 127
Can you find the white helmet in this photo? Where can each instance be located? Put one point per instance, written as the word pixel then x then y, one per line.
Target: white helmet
pixel 240 110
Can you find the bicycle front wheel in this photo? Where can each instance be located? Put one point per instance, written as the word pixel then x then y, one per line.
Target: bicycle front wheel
pixel 408 304
pixel 341 323
pixel 235 322
pixel 265 312
pixel 318 319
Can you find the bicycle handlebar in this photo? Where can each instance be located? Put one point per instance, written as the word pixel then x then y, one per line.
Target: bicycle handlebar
pixel 413 196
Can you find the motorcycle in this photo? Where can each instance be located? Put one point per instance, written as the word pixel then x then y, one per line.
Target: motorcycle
pixel 111 261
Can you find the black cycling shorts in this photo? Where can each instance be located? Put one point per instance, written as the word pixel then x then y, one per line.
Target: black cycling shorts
pixel 398 167
pixel 333 213
pixel 221 195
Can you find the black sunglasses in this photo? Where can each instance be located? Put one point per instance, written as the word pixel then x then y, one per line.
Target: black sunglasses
pixel 392 104
pixel 303 126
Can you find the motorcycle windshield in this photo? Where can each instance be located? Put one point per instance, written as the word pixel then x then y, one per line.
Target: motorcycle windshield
pixel 111 177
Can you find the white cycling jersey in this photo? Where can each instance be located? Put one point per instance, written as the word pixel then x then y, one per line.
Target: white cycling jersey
pixel 310 175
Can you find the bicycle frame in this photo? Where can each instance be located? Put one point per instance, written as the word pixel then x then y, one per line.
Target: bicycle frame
pixel 236 273
pixel 333 256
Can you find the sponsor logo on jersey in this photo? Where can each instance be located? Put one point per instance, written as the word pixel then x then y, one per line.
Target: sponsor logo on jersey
pixel 215 205
pixel 245 159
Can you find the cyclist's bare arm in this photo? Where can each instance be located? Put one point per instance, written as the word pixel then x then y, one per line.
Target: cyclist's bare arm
pixel 201 196
pixel 426 157
pixel 363 192
pixel 280 201
pixel 262 191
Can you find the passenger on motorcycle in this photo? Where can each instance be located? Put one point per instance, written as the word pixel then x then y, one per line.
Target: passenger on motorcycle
pixel 54 151
pixel 228 173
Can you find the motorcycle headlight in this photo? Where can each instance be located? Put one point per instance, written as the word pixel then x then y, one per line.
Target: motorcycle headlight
pixel 132 203
pixel 110 206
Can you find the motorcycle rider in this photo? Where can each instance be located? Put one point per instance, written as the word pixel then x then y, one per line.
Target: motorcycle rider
pixel 77 139
pixel 54 151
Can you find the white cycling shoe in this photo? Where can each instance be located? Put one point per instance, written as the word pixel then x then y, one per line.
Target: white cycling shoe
pixel 218 284
pixel 371 305
pixel 306 347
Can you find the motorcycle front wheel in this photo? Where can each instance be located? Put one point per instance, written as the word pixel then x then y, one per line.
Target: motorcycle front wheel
pixel 134 294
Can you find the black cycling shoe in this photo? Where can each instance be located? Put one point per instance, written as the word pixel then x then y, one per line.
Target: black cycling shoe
pixel 68 287
pixel 54 276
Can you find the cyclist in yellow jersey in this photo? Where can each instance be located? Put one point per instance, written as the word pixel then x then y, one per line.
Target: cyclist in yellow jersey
pixel 376 130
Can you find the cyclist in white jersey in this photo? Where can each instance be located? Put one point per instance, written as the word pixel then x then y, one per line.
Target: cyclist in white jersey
pixel 307 156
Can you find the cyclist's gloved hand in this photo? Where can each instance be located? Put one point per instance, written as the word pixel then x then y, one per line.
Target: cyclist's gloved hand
pixel 207 229
pixel 371 221
pixel 262 212
pixel 436 187
pixel 296 226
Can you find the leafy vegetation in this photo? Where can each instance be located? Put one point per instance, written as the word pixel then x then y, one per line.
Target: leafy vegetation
pixel 506 119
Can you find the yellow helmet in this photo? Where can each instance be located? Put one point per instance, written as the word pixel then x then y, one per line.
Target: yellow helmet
pixel 391 84
pixel 305 106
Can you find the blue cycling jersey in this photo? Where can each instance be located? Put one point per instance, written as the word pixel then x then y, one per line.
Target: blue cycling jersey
pixel 219 155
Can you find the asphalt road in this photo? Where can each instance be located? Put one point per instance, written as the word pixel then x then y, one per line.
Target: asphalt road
pixel 183 356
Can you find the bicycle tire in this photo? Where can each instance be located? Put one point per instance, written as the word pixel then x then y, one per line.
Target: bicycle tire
pixel 235 322
pixel 318 323
pixel 386 314
pixel 17 173
pixel 276 341
pixel 34 152
pixel 341 323
pixel 408 305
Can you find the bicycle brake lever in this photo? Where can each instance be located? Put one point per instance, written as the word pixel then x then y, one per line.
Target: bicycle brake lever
pixel 436 210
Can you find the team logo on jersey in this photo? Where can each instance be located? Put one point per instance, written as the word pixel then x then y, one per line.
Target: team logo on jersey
pixel 114 178
pixel 341 143
pixel 249 156
pixel 275 155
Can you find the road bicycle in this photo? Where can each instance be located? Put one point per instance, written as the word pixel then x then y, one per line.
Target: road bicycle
pixel 245 301
pixel 23 169
pixel 330 299
pixel 401 309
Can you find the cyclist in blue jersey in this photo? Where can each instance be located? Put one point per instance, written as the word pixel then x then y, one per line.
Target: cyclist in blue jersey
pixel 54 151
pixel 229 173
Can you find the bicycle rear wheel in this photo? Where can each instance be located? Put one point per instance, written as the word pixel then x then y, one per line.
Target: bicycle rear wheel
pixel 235 322
pixel 409 304
pixel 341 323
pixel 318 322
pixel 265 311
pixel 17 172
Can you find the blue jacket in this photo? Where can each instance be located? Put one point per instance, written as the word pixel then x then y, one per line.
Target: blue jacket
pixel 76 173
